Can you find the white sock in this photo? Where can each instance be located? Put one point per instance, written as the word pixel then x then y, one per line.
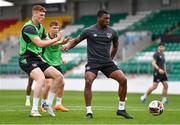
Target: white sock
pixel 121 105
pixel 58 101
pixel 164 99
pixel 27 97
pixel 50 98
pixel 144 96
pixel 35 103
pixel 89 110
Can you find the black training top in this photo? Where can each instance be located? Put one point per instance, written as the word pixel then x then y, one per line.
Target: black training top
pixel 160 60
pixel 99 43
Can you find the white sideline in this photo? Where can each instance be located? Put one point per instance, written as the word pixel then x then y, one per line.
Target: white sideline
pixel 136 84
pixel 77 108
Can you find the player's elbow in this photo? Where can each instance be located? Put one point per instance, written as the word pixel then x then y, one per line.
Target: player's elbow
pixel 153 63
pixel 115 48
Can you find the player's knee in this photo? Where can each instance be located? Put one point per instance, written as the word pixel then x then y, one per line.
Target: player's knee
pixel 88 81
pixel 60 81
pixel 61 84
pixel 165 86
pixel 154 86
pixel 88 84
pixel 60 78
pixel 47 85
pixel 41 81
pixel 123 81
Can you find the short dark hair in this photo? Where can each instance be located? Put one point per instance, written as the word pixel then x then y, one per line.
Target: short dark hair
pixel 101 12
pixel 54 23
pixel 161 44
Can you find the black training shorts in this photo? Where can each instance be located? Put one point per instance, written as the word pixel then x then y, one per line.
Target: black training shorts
pixel 106 68
pixel 159 77
pixel 30 62
pixel 58 68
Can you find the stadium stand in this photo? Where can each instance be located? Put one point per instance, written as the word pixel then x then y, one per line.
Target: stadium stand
pixel 4 24
pixel 89 20
pixel 12 27
pixel 158 22
pixel 130 20
pixel 141 62
pixel 161 22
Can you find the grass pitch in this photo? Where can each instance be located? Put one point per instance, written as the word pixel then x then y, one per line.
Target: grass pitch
pixel 13 111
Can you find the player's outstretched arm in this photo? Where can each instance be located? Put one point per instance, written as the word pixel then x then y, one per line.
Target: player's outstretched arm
pixel 44 43
pixel 72 43
pixel 63 41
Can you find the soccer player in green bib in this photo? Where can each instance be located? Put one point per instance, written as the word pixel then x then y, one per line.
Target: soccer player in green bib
pixel 32 40
pixel 52 55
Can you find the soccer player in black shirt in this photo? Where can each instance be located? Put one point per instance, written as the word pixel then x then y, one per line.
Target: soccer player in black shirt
pixel 159 74
pixel 99 39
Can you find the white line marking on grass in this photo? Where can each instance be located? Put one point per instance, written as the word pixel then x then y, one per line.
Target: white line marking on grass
pixel 71 106
pixel 77 108
pixel 12 110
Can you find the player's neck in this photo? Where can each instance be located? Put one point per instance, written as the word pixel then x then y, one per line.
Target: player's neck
pixel 35 22
pixel 101 27
pixel 161 52
pixel 52 35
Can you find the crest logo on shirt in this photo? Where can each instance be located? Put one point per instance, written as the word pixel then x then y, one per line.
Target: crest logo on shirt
pixel 95 35
pixel 34 65
pixel 87 67
pixel 109 35
pixel 158 80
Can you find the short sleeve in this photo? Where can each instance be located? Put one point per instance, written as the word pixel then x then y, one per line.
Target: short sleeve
pixel 30 31
pixel 115 37
pixel 84 34
pixel 155 56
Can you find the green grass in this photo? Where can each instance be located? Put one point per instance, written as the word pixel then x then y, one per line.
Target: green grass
pixel 13 111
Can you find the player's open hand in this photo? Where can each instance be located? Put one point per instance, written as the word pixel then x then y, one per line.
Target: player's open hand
pixel 60 34
pixel 64 61
pixel 64 48
pixel 66 40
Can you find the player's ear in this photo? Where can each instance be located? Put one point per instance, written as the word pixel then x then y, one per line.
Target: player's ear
pixel 98 19
pixel 33 13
